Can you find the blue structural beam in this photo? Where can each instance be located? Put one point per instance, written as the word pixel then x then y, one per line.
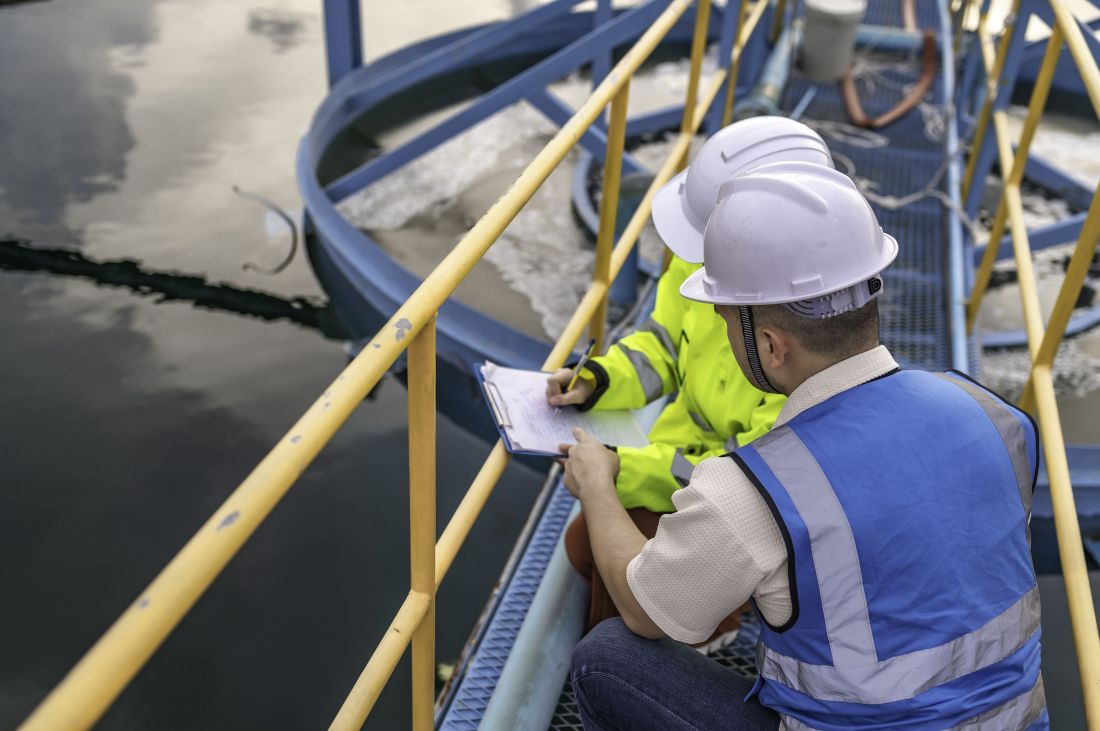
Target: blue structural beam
pixel 615 32
pixel 343 38
pixel 1059 232
pixel 601 63
pixel 1084 469
pixel 594 140
pixel 454 54
pixel 1080 323
pixel 1047 176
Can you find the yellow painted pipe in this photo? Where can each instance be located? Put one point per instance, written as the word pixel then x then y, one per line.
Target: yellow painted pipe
pixel 1079 50
pixel 1039 94
pixel 994 65
pixel 698 49
pixel 1070 291
pixel 609 209
pixel 422 494
pixel 380 667
pixel 1082 613
pixel 735 62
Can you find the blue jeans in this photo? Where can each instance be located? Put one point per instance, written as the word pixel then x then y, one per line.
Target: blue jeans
pixel 624 682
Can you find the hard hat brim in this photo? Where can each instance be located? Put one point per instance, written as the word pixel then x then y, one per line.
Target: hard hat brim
pixel 694 287
pixel 672 225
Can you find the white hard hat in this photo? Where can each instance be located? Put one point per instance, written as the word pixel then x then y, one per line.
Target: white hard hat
pixel 792 233
pixel 683 205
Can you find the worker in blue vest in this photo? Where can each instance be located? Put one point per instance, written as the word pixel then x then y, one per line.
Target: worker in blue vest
pixel 881 527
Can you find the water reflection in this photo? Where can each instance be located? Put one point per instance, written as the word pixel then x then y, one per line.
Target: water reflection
pixel 309 312
pixel 124 421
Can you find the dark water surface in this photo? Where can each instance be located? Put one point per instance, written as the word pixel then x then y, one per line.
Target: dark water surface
pixel 125 422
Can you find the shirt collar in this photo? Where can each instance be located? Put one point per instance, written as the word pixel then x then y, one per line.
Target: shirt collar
pixel 848 373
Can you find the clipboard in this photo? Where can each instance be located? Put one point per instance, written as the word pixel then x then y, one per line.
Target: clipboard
pixel 603 425
pixel 499 411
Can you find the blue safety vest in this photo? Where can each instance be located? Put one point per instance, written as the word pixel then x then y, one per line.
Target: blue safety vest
pixel 904 504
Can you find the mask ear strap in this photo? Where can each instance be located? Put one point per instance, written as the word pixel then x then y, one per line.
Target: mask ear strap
pixel 749 333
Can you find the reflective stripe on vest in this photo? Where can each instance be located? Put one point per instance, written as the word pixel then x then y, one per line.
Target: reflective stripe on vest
pixel 647 374
pixel 856 675
pixel 700 422
pixel 1010 429
pixel 658 330
pixel 681 469
pixel 1019 713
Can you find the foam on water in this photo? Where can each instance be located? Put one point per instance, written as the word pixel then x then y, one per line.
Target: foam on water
pixel 543 254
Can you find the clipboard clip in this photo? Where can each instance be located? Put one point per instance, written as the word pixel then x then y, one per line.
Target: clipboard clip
pixel 500 409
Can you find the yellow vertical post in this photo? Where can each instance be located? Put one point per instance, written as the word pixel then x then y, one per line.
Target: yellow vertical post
pixel 698 49
pixel 1034 113
pixel 609 208
pixel 961 15
pixel 1082 613
pixel 421 388
pixel 777 21
pixel 1070 290
pixel 735 63
pixel 994 64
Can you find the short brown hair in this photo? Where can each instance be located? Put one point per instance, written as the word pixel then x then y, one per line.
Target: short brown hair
pixel 844 335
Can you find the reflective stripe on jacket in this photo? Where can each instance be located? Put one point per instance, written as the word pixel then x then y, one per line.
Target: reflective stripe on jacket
pixel 904 504
pixel 683 349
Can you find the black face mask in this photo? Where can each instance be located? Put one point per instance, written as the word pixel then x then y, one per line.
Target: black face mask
pixel 749 333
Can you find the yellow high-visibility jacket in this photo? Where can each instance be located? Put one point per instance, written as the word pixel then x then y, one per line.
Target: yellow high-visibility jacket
pixel 683 348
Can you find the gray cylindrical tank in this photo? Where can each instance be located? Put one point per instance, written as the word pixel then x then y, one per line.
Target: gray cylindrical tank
pixel 829 37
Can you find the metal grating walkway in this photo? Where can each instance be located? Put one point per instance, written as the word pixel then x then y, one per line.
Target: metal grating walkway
pixel 914 327
pixel 913 306
pixel 480 679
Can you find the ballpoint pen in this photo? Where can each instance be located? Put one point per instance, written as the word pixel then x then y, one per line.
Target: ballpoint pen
pixel 581 364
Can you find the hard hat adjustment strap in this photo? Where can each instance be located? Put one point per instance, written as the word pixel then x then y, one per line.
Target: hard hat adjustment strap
pixel 839 302
pixel 749 333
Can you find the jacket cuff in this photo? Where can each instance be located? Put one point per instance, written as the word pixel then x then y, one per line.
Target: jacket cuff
pixel 602 383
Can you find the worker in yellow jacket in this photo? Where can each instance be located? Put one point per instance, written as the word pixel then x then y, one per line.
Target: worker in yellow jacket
pixel 682 349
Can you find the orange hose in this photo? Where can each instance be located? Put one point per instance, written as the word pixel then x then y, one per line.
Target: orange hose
pixel 852 105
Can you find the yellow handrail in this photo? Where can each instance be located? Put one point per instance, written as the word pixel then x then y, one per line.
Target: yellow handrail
pixel 1038 395
pixel 98 678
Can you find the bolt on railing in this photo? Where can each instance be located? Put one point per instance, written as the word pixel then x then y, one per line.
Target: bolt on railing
pixel 1038 395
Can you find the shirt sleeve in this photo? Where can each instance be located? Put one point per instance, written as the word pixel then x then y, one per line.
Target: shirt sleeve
pixel 710 556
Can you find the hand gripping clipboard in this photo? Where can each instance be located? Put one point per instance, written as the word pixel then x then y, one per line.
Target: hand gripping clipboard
pixel 530 426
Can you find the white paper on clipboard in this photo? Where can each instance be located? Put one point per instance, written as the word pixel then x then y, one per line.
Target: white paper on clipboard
pixel 518 401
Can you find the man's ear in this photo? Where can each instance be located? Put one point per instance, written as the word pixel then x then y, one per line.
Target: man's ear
pixel 773 346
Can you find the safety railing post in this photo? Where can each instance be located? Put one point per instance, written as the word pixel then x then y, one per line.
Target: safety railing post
pixel 422 465
pixel 960 14
pixel 698 50
pixel 777 20
pixel 1038 101
pixel 1039 396
pixel 735 66
pixel 609 208
pixel 994 64
pixel 1082 613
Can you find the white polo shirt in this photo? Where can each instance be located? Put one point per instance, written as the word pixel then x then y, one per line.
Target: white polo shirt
pixel 722 545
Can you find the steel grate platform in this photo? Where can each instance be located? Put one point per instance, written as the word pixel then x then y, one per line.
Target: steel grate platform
pixel 480 679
